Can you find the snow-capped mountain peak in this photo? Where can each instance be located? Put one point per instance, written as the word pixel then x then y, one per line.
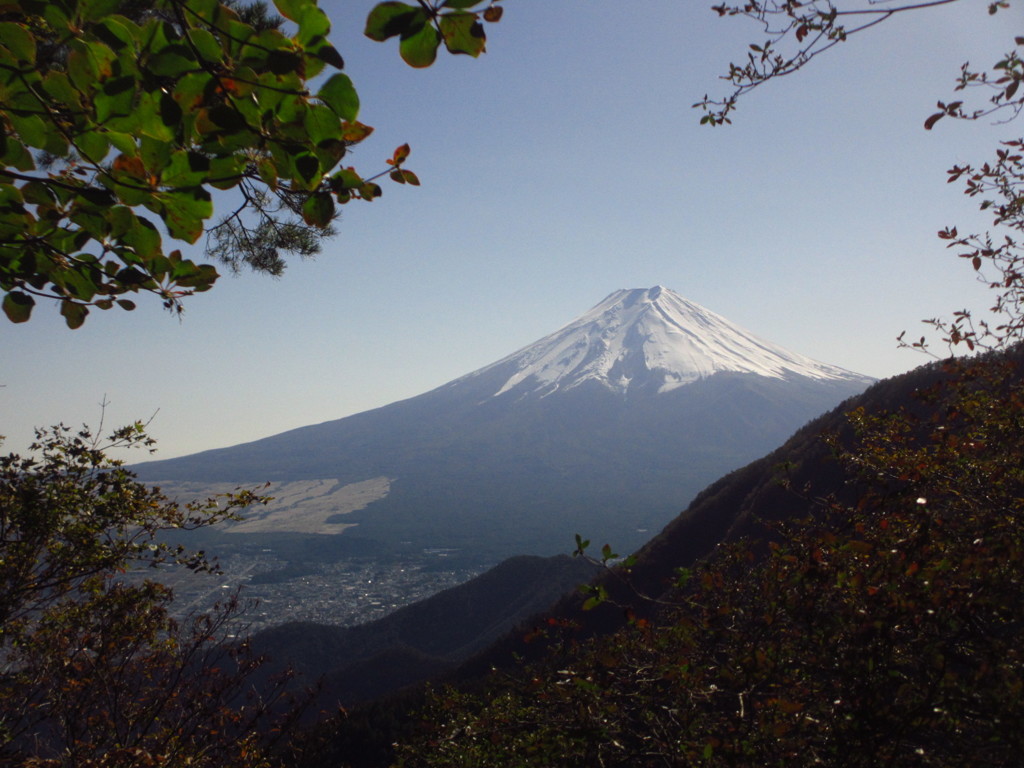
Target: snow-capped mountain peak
pixel 654 339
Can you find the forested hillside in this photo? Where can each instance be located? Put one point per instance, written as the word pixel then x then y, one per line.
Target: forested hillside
pixel 873 620
pixel 855 589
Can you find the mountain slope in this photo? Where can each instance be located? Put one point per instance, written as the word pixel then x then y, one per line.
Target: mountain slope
pixel 610 424
pixel 876 615
pixel 735 506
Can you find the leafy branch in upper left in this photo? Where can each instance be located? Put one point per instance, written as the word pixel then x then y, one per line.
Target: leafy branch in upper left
pixel 119 119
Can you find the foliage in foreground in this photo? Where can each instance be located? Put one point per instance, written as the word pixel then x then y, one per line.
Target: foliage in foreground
pixel 94 670
pixel 120 118
pixel 884 633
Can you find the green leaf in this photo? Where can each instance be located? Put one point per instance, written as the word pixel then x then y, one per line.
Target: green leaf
pixel 122 219
pixel 226 172
pixel 345 179
pixel 58 87
pixel 159 33
pixel 73 313
pixel 155 154
pixel 143 238
pixel 318 210
pixel 117 99
pixel 11 199
pixel 172 61
pixel 184 211
pixel 313 24
pixel 592 602
pixel 403 176
pixel 131 277
pixel 329 152
pixel 29 128
pixel 340 95
pixel 227 119
pixel 89 64
pixel 204 9
pixel 92 222
pixel 282 62
pixel 189 91
pixel 308 168
pixel 393 18
pixel 292 9
pixel 420 49
pixel 322 124
pixel 19 41
pixel 463 33
pixel 581 545
pixel 327 53
pixel 37 193
pixel 198 278
pixel 96 10
pixel 185 169
pixel 80 72
pixel 93 145
pixel 18 306
pixel 54 141
pixel 122 142
pixel 56 17
pixel 78 283
pixel 370 190
pixel 100 198
pixel 13 154
pixel 291 109
pixel 267 171
pixel 460 3
pixel 114 33
pixel 207 45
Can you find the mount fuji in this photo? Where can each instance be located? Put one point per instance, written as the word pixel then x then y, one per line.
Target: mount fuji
pixel 647 341
pixel 607 427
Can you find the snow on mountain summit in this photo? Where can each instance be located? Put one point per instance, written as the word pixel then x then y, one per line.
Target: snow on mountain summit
pixel 650 338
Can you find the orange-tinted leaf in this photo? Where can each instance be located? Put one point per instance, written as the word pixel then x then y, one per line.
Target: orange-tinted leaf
pixel 400 154
pixel 353 132
pixel 132 166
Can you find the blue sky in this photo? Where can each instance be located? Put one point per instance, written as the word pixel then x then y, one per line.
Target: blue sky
pixel 562 165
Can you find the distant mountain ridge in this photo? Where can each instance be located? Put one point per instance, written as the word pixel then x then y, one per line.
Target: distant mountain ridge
pixel 606 427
